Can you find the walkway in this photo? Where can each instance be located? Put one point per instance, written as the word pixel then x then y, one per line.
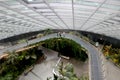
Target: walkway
pixel 95 64
pixel 111 71
pixel 43 70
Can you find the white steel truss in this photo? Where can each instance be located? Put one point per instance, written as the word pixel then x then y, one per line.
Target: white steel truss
pixel 21 16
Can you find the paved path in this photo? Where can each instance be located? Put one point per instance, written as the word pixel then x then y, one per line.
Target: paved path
pixel 43 70
pixel 95 63
pixel 111 71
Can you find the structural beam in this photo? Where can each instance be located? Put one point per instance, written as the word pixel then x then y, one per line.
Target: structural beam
pixel 93 14
pixel 2 4
pixel 56 13
pixel 73 19
pixel 31 8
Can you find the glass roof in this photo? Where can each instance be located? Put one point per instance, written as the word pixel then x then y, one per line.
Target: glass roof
pixel 21 16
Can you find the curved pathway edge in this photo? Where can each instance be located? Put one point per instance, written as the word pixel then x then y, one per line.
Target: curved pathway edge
pixel 95 66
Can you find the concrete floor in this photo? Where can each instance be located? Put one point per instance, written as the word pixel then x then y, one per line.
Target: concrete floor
pixel 112 71
pixel 43 70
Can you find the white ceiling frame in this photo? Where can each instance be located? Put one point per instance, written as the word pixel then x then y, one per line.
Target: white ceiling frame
pixel 31 8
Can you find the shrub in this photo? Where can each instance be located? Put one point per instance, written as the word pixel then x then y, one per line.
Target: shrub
pixel 112 54
pixel 16 62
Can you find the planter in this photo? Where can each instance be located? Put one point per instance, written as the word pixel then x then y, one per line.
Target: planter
pixel 41 59
pixel 28 70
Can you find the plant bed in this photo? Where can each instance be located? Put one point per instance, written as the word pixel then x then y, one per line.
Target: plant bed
pixel 112 54
pixel 65 71
pixel 19 61
pixel 43 57
pixel 66 47
pixel 28 70
pixel 14 64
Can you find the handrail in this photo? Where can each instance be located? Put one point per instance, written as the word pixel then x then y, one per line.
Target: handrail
pixel 56 67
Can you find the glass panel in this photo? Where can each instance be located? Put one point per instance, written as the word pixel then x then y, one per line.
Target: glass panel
pixel 43 10
pixel 92 0
pixel 38 5
pixel 116 19
pixel 114 2
pixel 87 3
pixel 60 1
pixel 12 2
pixel 32 1
pixel 109 6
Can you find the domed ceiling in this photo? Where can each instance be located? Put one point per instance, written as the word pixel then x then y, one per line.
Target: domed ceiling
pixel 97 16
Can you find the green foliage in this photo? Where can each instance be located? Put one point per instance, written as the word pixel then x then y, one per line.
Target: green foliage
pixel 12 58
pixel 48 31
pixel 112 54
pixel 75 33
pixel 66 47
pixel 84 77
pixel 9 76
pixel 39 35
pixel 66 72
pixel 21 41
pixel 16 62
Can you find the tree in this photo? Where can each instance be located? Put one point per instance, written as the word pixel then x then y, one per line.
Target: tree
pixel 66 72
pixel 12 58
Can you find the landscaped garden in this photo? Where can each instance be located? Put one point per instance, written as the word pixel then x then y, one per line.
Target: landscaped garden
pixel 15 63
pixel 66 72
pixel 66 47
pixel 112 54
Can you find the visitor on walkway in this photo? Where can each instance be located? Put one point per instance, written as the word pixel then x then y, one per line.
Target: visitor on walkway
pixel 63 34
pixel 27 42
pixel 58 34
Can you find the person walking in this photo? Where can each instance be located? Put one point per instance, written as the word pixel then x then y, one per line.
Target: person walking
pixel 27 42
pixel 63 34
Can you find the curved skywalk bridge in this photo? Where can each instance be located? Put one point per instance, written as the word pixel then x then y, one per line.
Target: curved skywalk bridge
pixel 95 63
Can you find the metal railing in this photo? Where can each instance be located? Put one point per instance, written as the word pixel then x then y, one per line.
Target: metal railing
pixel 55 70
